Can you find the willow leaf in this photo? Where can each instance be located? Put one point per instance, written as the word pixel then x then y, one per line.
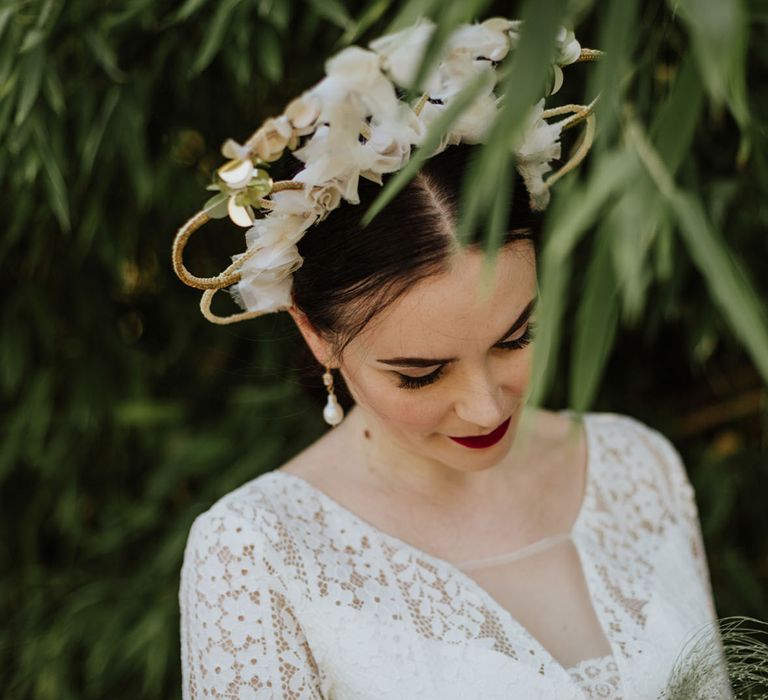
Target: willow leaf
pixel 55 182
pixel 719 30
pixel 573 212
pixel 521 87
pixel 610 78
pixel 5 17
pixel 270 52
pixel 214 35
pixel 431 141
pixel 189 8
pixel 596 323
pixel 726 278
pixel 96 134
pixel 32 75
pixel 728 282
pixel 675 123
pixel 334 11
pixel 372 14
pixel 450 16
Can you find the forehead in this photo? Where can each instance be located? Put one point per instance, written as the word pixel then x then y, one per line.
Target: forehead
pixel 474 301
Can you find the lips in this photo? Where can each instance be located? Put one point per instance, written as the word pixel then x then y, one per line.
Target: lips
pixel 479 441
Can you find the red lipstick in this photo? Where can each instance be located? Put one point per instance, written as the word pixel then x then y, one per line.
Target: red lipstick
pixel 478 441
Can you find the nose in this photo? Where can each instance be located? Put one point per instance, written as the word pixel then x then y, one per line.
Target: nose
pixel 479 401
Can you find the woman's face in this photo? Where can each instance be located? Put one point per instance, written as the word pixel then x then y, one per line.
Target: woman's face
pixel 448 360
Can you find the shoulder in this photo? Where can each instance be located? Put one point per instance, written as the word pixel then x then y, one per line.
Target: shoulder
pixel 645 451
pixel 242 524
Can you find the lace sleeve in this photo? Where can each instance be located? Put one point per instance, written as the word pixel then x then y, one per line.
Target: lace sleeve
pixel 240 637
pixel 683 498
pixel 707 647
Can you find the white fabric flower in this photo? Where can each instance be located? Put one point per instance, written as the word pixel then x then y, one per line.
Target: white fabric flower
pixel 275 229
pixel 358 95
pixel 234 150
pixel 489 40
pixel 355 82
pixel 568 49
pixel 267 290
pixel 388 151
pixel 540 144
pixel 266 276
pixel 303 113
pixel 237 173
pixel 315 202
pixel 473 123
pixel 401 52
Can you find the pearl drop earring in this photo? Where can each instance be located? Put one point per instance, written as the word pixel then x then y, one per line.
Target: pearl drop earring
pixel 333 413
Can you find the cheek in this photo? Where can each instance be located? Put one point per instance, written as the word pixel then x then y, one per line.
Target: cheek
pixel 413 410
pixel 515 372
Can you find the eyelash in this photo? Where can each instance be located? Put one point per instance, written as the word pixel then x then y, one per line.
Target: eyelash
pixel 407 382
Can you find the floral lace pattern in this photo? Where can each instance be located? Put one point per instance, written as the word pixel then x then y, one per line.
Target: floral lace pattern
pixel 286 594
pixel 598 678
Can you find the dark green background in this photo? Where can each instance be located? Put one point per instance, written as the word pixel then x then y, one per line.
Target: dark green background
pixel 125 414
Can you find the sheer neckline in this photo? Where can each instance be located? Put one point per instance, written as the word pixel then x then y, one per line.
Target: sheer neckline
pixel 520 552
pixel 469 583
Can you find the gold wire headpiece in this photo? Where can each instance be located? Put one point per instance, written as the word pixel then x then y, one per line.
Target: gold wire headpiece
pixel 357 99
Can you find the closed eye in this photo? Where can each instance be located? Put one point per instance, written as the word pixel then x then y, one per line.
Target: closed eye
pixel 408 382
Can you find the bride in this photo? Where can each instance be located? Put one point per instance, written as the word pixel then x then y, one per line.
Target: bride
pixel 444 539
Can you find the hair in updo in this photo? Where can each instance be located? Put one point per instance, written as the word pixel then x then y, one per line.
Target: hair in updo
pixel 350 273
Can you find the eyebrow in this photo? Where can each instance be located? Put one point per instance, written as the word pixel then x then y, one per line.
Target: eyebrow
pixel 430 362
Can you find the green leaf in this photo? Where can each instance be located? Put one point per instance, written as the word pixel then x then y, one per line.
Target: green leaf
pixel 571 214
pixel 664 247
pixel 611 77
pixel 33 39
pixel 56 185
pixel 95 136
pixel 14 357
pixel 632 223
pixel 278 13
pixel 720 33
pixel 553 293
pixel 216 206
pixel 270 53
pixel 449 16
pixel 596 323
pixel 7 86
pixel 726 278
pixel 187 10
pixel 334 11
pixel 521 87
pixel 147 412
pixel 409 13
pixel 372 14
pixel 431 141
pixel 31 77
pixel 9 64
pixel 675 122
pixel 214 35
pixel 53 90
pixel 5 17
pixel 105 56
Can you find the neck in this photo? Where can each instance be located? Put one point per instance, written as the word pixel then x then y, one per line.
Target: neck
pixel 383 460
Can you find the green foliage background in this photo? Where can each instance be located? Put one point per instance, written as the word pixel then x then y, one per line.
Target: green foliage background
pixel 125 414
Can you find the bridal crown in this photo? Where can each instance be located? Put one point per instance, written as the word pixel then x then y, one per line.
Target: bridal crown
pixel 352 124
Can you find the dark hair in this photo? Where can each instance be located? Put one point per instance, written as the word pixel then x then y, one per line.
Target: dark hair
pixel 350 274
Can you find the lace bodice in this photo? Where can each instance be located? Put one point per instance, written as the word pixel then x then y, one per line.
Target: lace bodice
pixel 287 594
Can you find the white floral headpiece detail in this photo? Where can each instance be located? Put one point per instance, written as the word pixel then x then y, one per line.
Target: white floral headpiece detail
pixel 357 97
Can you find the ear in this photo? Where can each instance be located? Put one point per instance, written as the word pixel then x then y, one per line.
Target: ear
pixel 320 348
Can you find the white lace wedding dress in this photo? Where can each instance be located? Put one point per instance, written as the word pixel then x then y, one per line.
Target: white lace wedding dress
pixel 286 594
